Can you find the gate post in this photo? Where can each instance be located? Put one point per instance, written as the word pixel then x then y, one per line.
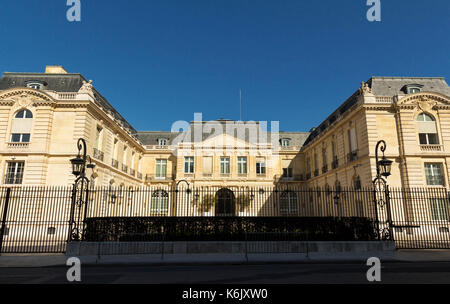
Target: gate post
pixel 5 212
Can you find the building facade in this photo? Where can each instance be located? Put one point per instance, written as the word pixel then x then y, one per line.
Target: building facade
pixel 43 115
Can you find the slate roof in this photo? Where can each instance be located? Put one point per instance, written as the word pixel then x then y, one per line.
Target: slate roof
pixel 390 86
pixel 151 138
pixel 59 83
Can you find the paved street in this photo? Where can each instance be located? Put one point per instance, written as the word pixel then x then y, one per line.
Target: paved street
pixel 431 272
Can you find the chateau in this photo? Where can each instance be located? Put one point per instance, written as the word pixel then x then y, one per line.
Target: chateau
pixel 43 115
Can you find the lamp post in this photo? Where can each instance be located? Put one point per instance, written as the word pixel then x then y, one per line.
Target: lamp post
pixel 80 191
pixel 381 190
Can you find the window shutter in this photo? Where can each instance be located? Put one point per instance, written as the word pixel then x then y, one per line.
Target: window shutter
pixel 427 127
pixel 21 125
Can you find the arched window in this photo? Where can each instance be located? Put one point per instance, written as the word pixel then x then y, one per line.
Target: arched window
pixel 21 126
pixel 426 126
pixel 160 202
pixel 288 203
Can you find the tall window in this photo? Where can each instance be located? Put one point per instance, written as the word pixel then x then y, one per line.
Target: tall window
pixel 21 126
pixel 14 172
pixel 160 202
pixel 357 182
pixel 98 139
pixel 324 157
pixel 242 165
pixel 124 156
pixel 288 203
pixel 260 165
pixel 352 140
pixel 433 173
pixel 189 164
pixel 439 209
pixel 160 168
pixel 287 167
pixel 115 148
pixel 224 165
pixel 427 129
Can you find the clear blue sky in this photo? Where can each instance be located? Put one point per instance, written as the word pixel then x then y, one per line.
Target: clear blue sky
pixel 158 61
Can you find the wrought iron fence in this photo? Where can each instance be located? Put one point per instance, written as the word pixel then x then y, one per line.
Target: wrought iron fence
pixel 36 219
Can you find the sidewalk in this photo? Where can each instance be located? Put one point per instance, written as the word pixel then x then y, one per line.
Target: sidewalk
pixel 418 255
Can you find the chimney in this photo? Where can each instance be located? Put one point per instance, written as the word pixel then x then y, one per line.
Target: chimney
pixel 55 69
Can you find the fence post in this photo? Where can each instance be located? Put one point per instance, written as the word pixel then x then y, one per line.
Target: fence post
pixel 5 212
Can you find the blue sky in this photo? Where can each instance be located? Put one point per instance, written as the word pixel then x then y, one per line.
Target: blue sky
pixel 161 61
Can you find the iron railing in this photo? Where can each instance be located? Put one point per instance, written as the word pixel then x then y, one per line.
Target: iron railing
pixel 36 218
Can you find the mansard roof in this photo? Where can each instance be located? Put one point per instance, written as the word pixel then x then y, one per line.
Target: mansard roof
pixel 59 83
pixel 390 86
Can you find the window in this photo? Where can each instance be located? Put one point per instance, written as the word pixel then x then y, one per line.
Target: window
pixel 426 126
pixel 14 172
pixel 357 182
pixel 433 173
pixel 260 165
pixel 413 90
pixel 439 209
pixel 34 85
pixel 224 165
pixel 189 164
pixel 285 142
pixel 242 165
pixel 124 156
pixel 162 142
pixel 21 126
pixel 160 168
pixel 98 138
pixel 288 203
pixel 24 114
pixel 160 202
pixel 352 139
pixel 287 168
pixel 20 137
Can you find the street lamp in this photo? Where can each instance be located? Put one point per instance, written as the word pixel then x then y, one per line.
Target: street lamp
pixel 383 165
pixel 381 192
pixel 80 191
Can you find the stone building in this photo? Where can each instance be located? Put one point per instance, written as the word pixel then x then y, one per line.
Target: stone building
pixel 43 114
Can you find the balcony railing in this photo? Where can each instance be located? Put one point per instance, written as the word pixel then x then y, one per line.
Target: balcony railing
pixel 115 163
pixel 124 168
pixel 132 172
pixel 18 145
pixel 352 156
pixel 308 175
pixel 431 148
pixel 157 177
pixel 335 163
pixel 139 175
pixel 316 172
pixel 98 154
pixel 324 169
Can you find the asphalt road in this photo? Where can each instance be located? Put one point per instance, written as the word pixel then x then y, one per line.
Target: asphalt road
pixel 431 272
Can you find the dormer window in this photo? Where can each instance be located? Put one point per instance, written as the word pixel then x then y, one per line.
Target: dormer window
pixel 35 85
pixel 285 142
pixel 412 88
pixel 162 141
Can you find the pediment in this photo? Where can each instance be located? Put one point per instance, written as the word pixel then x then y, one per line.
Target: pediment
pixel 24 97
pixel 425 101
